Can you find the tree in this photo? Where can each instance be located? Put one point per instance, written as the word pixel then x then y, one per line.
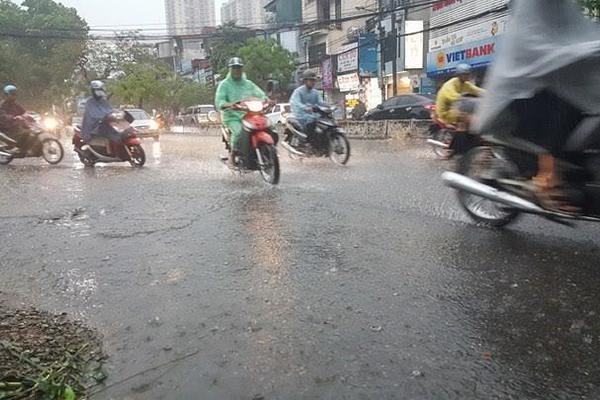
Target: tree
pixel 226 44
pixel 266 60
pixel 592 7
pixel 140 83
pixel 40 45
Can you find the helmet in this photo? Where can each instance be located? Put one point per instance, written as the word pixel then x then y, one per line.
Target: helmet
pixel 309 75
pixel 463 69
pixel 97 85
pixel 10 89
pixel 235 62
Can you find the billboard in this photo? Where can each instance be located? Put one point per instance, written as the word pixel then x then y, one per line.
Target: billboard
pixel 367 54
pixel 348 82
pixel 327 74
pixel 490 28
pixel 347 59
pixel 476 54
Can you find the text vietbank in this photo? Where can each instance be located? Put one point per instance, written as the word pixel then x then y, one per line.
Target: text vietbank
pixel 479 51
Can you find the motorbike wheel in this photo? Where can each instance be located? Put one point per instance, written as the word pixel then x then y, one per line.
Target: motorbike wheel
pixel 6 159
pixel 52 151
pixel 270 170
pixel 339 149
pixel 86 161
pixel 484 165
pixel 444 136
pixel 138 156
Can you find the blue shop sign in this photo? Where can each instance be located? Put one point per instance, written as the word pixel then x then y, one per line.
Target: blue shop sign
pixel 477 54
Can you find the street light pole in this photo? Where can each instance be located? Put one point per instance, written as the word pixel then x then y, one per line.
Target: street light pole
pixel 395 60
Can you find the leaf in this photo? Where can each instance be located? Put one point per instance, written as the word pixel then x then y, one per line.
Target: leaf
pixel 68 393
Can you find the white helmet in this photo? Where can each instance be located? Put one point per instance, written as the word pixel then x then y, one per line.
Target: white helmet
pixel 98 89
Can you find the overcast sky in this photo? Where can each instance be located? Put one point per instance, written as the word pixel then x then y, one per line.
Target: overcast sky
pixel 122 12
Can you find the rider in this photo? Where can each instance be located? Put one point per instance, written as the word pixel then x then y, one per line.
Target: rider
pixel 231 90
pixel 11 114
pixel 96 109
pixel 303 101
pixel 452 91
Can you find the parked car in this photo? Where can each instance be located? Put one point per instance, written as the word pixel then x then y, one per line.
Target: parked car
pixel 197 115
pixel 406 106
pixel 278 115
pixel 143 123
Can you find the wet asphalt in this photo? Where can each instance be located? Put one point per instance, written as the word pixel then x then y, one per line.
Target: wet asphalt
pixel 358 282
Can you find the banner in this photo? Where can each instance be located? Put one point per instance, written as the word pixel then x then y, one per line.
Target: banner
pixel 413 45
pixel 327 74
pixel 348 82
pixel 367 54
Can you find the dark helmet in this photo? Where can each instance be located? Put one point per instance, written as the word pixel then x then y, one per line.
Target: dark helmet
pixel 235 62
pixel 309 75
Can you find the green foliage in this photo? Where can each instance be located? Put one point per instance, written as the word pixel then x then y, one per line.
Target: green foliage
pixel 227 44
pixel 266 59
pixel 151 84
pixel 592 7
pixel 40 65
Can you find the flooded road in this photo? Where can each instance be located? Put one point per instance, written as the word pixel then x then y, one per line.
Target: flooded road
pixel 342 283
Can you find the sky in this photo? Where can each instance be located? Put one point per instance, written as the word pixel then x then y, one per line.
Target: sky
pixel 122 12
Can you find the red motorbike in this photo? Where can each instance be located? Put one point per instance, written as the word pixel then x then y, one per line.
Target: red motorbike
pixel 100 149
pixel 263 141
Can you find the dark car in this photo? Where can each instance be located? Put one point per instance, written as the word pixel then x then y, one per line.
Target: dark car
pixel 406 106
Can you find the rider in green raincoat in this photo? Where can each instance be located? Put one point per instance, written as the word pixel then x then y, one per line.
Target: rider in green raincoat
pixel 234 88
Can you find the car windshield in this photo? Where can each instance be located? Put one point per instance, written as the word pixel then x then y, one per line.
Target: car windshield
pixel 139 115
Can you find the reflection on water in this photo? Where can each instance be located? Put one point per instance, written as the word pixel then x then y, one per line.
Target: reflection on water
pixel 156 151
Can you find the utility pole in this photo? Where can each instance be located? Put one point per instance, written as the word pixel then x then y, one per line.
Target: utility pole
pixel 381 51
pixel 395 60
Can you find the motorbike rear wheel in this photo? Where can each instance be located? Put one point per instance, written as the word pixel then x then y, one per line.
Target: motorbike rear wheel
pixel 484 165
pixel 339 149
pixel 138 156
pixel 269 170
pixel 52 151
pixel 6 159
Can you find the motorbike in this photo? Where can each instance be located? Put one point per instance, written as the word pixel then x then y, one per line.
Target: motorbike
pixel 100 149
pixel 529 116
pixel 39 143
pixel 329 139
pixel 263 141
pixel 448 141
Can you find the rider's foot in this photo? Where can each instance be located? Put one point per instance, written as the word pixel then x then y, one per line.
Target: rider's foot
pixel 554 197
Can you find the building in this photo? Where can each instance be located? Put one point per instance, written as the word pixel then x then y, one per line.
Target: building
pixel 248 13
pixel 185 17
pixel 474 42
pixel 284 15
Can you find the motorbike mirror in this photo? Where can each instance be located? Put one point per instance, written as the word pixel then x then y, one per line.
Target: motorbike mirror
pixel 380 107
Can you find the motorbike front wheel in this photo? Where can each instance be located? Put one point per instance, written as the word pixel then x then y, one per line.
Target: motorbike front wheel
pixel 52 151
pixel 269 169
pixel 137 156
pixel 339 149
pixel 484 165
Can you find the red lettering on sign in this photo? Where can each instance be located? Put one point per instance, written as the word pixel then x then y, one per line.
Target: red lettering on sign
pixel 469 53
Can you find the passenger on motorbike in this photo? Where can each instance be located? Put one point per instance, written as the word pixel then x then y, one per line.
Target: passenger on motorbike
pixel 233 89
pixel 12 116
pixel 96 109
pixel 452 91
pixel 303 101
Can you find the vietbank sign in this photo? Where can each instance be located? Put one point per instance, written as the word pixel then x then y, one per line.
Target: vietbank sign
pixel 478 54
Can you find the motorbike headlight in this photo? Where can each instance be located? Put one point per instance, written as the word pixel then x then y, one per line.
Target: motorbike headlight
pixel 50 123
pixel 248 125
pixel 153 125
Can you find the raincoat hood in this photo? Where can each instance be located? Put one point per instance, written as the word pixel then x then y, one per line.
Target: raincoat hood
pixel 550 45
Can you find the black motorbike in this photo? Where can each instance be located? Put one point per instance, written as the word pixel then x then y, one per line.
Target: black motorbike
pixel 327 140
pixel 38 143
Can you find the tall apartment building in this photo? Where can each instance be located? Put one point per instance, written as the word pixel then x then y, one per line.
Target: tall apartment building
pixel 250 13
pixel 189 16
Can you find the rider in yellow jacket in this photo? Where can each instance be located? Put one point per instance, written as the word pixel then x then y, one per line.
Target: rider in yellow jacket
pixel 452 91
